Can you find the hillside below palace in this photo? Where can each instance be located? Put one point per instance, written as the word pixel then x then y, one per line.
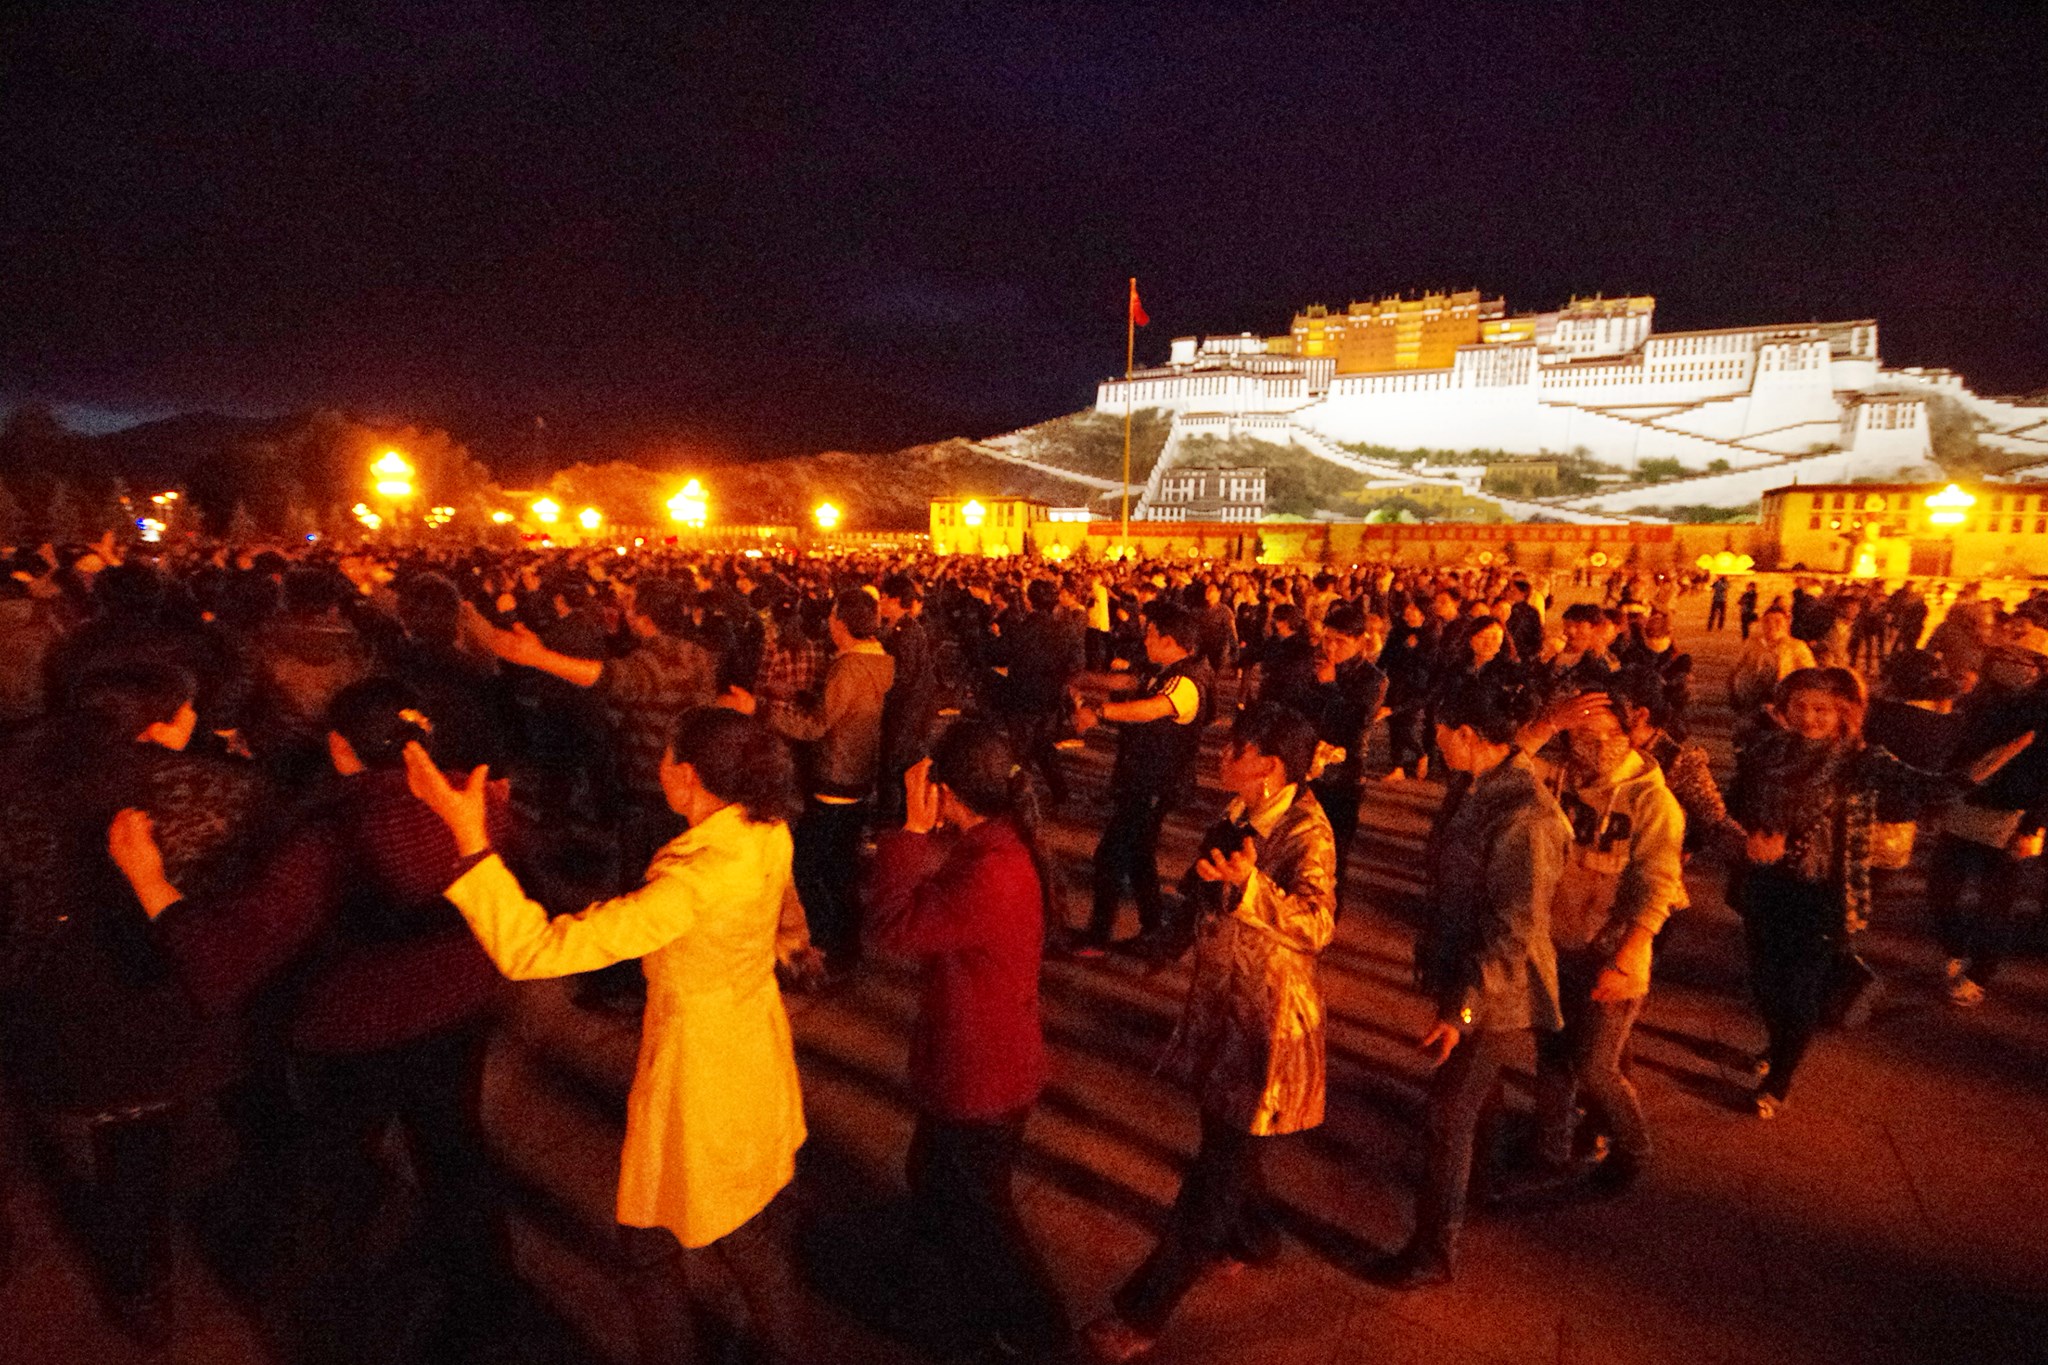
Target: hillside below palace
pixel 1740 409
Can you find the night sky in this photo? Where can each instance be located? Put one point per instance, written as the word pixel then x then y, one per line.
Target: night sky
pixel 777 228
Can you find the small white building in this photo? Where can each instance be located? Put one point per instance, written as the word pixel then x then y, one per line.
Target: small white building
pixel 1190 493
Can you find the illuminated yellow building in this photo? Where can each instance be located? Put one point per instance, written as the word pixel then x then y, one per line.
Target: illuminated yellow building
pixel 985 526
pixel 1890 530
pixel 1502 331
pixel 1397 334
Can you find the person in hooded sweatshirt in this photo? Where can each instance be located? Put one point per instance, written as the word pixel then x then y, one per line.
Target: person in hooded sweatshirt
pixel 1622 877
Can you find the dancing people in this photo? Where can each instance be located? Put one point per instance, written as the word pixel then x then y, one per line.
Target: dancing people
pixel 969 904
pixel 1806 795
pixel 1250 1040
pixel 715 1115
pixel 1485 957
pixel 1156 754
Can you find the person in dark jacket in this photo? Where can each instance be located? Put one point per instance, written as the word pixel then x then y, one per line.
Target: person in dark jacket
pixel 912 708
pixel 969 905
pixel 386 1023
pixel 1155 766
pixel 1287 657
pixel 1409 660
pixel 103 1046
pixel 1045 656
pixel 1978 858
pixel 1342 703
pixel 462 690
pixel 1485 958
pixel 1524 623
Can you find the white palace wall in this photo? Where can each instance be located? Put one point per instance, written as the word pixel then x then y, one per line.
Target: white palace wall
pixel 1739 408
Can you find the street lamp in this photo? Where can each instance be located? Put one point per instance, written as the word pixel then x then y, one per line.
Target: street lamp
pixel 690 506
pixel 826 515
pixel 393 475
pixel 590 518
pixel 973 513
pixel 1950 507
pixel 501 518
pixel 547 511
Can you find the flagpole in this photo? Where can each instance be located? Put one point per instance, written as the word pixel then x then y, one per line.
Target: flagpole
pixel 1130 352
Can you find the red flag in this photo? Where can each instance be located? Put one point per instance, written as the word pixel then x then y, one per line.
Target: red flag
pixel 1138 318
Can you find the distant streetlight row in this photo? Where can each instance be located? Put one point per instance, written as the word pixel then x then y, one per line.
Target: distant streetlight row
pixel 392 479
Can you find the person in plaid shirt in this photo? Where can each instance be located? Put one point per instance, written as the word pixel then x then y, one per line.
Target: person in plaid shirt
pixel 793 663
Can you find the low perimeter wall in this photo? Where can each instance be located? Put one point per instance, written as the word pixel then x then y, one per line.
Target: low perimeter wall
pixel 1538 547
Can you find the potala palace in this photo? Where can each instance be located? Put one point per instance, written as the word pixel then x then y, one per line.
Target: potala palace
pixel 1741 409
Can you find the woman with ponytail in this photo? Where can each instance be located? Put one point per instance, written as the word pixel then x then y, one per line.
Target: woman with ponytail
pixel 715 1117
pixel 969 905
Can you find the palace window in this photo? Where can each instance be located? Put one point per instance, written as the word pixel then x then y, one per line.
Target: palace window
pixel 1813 522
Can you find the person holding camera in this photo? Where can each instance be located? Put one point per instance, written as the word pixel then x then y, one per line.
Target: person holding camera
pixel 1250 1039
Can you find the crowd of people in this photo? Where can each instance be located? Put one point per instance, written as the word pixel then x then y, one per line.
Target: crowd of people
pixel 279 826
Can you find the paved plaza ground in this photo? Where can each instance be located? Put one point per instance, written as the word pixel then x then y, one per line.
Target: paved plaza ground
pixel 1897 1212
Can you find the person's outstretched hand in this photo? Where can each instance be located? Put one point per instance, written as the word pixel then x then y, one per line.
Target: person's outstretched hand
pixel 920 798
pixel 1986 768
pixel 462 809
pixel 131 843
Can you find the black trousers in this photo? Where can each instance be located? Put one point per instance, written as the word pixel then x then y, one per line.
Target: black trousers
pixel 960 1173
pixel 1976 914
pixel 432 1089
pixel 1792 930
pixel 1717 615
pixel 1129 856
pixel 1407 740
pixel 1221 1210
pixel 1459 1096
pixel 117 1192
pixel 662 1278
pixel 826 866
pixel 1339 801
pixel 1034 736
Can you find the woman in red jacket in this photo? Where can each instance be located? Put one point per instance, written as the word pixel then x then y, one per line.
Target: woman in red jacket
pixel 969 905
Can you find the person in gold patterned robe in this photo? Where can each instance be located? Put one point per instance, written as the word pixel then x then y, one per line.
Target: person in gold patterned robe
pixel 1250 1040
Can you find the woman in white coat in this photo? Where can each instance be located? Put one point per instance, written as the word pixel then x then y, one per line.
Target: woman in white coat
pixel 715 1116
